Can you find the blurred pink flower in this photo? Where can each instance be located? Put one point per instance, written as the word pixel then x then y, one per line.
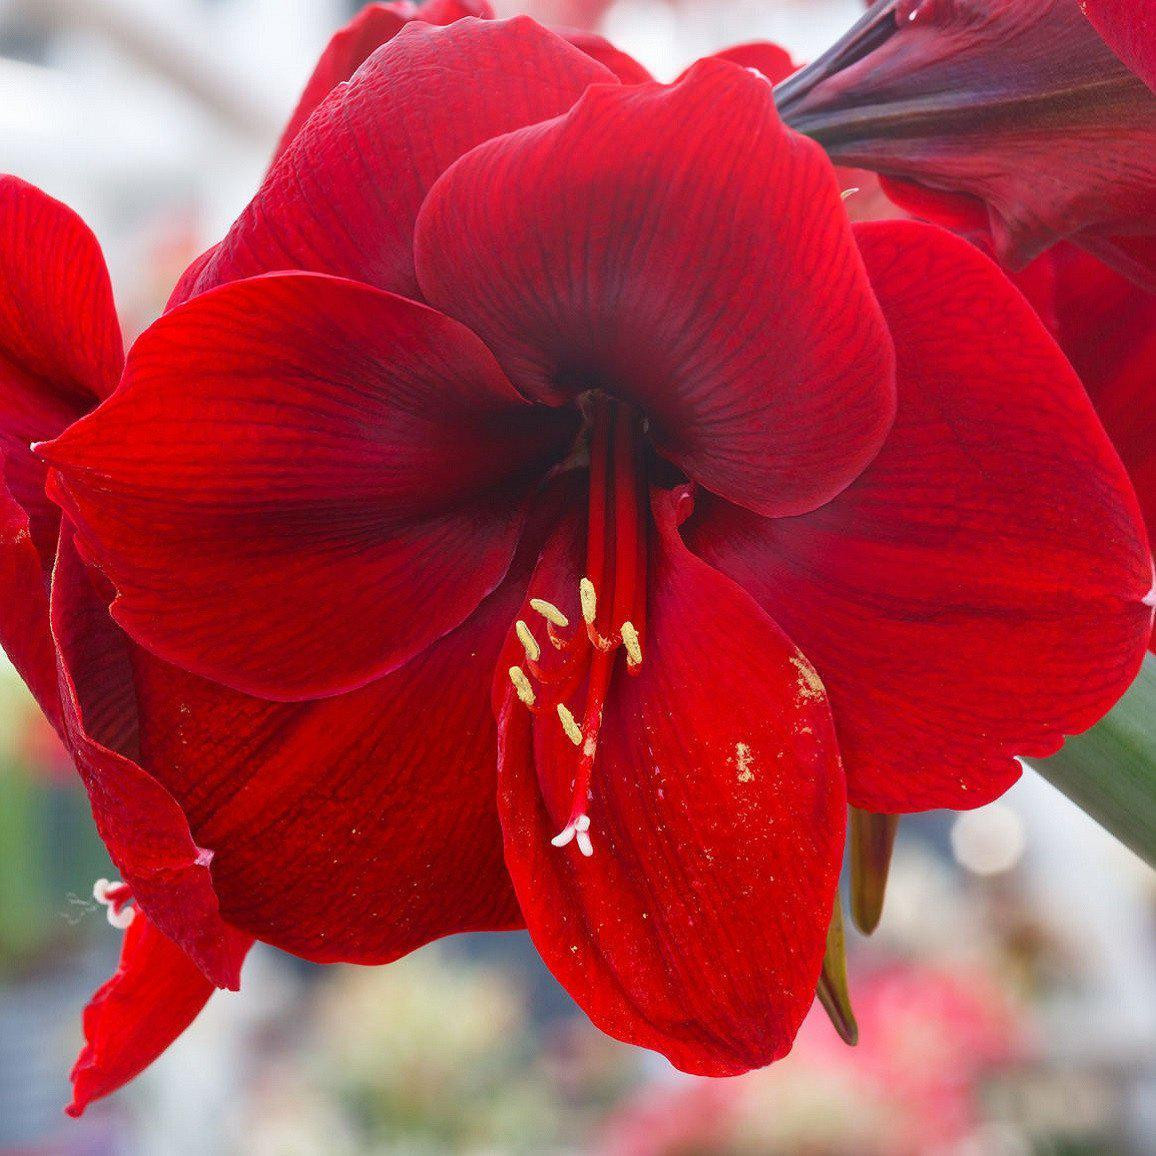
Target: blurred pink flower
pixel 930 1038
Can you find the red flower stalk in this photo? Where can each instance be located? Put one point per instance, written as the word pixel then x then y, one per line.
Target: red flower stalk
pixel 586 401
pixel 1010 117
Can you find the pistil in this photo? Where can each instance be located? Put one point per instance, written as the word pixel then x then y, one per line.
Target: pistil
pixel 612 600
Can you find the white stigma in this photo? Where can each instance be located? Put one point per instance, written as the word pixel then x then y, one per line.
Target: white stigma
pixel 119 919
pixel 576 831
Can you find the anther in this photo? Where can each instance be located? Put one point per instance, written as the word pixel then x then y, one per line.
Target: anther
pixel 528 641
pixel 550 612
pixel 632 644
pixel 522 685
pixel 569 725
pixel 589 597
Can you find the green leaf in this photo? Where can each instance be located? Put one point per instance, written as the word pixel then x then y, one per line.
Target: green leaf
pixel 1110 771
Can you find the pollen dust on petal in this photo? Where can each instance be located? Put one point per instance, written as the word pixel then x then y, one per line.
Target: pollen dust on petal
pixel 811 688
pixel 744 763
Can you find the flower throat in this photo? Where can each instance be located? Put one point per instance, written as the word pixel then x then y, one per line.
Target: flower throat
pixel 571 679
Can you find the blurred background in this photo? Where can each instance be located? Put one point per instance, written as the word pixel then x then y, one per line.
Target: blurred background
pixel 1006 1006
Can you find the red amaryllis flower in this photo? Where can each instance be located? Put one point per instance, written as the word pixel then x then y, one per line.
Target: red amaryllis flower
pixel 1012 117
pixel 334 515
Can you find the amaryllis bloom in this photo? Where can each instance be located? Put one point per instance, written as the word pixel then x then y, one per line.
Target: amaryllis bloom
pixel 1010 118
pixel 544 509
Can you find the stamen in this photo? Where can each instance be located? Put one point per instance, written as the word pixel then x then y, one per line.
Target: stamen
pixel 550 612
pixel 569 724
pixel 615 571
pixel 528 641
pixel 522 685
pixel 589 597
pixel 632 644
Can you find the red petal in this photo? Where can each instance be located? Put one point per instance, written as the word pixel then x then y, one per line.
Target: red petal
pixel 976 594
pixel 24 632
pixel 343 198
pixel 698 926
pixel 625 67
pixel 1018 105
pixel 154 995
pixel 356 827
pixel 351 46
pixel 58 328
pixel 773 62
pixel 1129 26
pixel 961 212
pixel 144 829
pixel 353 828
pixel 675 245
pixel 326 551
pixel 1107 327
pixel 60 350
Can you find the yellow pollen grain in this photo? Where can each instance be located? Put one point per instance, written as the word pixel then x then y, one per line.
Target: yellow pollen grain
pixel 549 611
pixel 811 688
pixel 569 725
pixel 522 685
pixel 743 762
pixel 589 597
pixel 632 644
pixel 528 641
